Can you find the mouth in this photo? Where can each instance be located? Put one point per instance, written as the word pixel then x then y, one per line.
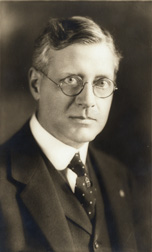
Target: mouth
pixel 82 119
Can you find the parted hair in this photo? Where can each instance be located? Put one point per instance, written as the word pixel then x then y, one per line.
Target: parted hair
pixel 62 32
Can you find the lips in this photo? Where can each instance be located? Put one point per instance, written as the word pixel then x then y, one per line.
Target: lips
pixel 83 118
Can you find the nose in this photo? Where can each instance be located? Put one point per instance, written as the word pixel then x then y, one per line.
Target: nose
pixel 86 98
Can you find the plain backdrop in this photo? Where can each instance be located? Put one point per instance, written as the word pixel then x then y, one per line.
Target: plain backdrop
pixel 127 133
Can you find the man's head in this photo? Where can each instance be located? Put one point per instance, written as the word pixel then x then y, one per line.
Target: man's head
pixel 73 52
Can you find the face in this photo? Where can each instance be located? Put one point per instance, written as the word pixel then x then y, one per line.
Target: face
pixel 79 119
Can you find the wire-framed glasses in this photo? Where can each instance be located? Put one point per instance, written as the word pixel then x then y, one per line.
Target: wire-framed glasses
pixel 73 85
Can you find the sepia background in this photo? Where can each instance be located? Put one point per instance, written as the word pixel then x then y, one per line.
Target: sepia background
pixel 127 133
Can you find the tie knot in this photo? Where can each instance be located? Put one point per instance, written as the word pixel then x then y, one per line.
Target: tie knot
pixel 76 165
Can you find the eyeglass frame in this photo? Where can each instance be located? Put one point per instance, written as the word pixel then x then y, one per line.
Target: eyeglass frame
pixel 83 85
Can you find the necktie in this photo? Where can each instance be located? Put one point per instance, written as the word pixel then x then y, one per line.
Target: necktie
pixel 84 190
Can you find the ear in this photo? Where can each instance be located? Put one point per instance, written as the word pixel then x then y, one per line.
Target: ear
pixel 34 77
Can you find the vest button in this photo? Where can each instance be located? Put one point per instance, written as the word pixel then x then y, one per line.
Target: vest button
pixel 96 245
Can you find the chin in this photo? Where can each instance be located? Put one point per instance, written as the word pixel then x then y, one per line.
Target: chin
pixel 83 138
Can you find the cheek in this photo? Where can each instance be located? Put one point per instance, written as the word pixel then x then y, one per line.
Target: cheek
pixel 48 100
pixel 104 108
pixel 55 106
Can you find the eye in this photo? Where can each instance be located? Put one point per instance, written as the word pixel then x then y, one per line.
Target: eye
pixel 103 83
pixel 72 80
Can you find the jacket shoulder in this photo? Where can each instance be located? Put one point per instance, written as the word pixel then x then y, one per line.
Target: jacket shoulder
pixel 17 143
pixel 105 159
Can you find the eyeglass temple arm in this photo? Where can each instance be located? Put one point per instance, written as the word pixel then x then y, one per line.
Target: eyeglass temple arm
pixel 47 76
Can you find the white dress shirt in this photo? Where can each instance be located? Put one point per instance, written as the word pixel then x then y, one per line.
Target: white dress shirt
pixel 58 153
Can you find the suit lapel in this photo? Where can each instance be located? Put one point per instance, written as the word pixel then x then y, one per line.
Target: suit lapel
pixel 40 197
pixel 115 195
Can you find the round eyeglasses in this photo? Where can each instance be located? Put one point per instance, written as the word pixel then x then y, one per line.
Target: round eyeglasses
pixel 73 86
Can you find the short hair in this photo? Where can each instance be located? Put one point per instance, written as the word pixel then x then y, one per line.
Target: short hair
pixel 62 32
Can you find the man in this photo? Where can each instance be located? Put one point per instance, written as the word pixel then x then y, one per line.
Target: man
pixel 46 204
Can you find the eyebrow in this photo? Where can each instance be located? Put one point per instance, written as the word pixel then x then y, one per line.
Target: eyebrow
pixel 101 76
pixel 66 74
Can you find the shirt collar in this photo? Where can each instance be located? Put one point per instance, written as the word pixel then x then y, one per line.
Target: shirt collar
pixel 56 151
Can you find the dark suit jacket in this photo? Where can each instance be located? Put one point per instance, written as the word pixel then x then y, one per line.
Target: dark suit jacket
pixel 35 215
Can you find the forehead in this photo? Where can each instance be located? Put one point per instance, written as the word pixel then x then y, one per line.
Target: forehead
pixel 80 58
